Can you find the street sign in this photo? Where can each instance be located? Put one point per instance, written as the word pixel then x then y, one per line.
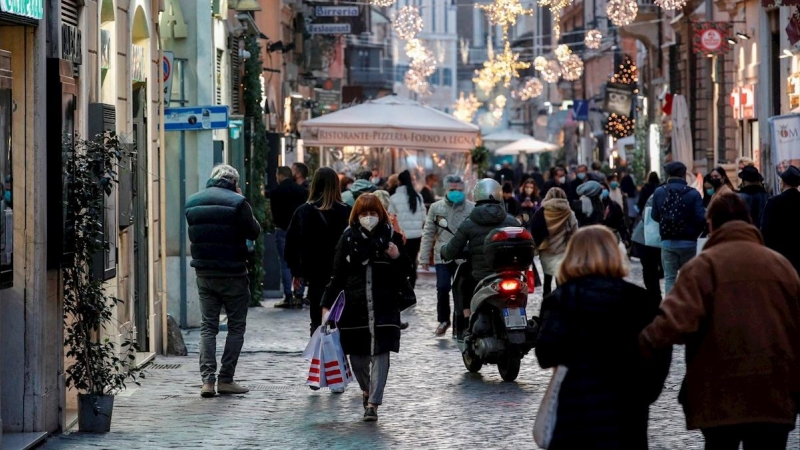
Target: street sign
pixel 193 118
pixel 336 11
pixel 581 108
pixel 329 28
pixel 169 58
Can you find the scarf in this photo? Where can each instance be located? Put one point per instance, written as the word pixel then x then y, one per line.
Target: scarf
pixel 365 247
pixel 560 225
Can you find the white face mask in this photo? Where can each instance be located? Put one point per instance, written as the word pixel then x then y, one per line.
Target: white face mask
pixel 368 222
pixel 562 180
pixel 529 191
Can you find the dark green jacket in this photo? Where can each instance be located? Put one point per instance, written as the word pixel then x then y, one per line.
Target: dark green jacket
pixel 484 218
pixel 220 223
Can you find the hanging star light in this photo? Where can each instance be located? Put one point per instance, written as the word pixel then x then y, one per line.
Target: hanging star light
pixel 555 9
pixel 552 72
pixel 382 3
pixel 484 79
pixel 466 107
pixel 532 88
pixel 593 39
pixel 504 12
pixel 540 63
pixel 622 12
pixel 506 65
pixel 572 68
pixel 407 22
pixel 562 52
pixel 671 5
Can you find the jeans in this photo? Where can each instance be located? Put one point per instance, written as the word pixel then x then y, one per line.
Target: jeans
pixel 651 264
pixel 412 250
pixel 371 373
pixel 315 291
pixel 754 436
pixel 444 282
pixel 286 274
pixel 673 259
pixel 234 295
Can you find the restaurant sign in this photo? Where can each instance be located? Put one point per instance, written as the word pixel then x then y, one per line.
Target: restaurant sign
pixel 711 38
pixel 317 136
pixel 33 9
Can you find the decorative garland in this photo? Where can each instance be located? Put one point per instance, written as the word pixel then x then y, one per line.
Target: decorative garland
pixel 255 165
pixel 481 157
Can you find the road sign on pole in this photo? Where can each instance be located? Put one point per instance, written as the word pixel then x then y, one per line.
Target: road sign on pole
pixel 169 60
pixel 581 110
pixel 195 118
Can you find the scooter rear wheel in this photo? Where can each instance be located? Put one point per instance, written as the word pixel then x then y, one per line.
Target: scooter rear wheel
pixel 508 366
pixel 472 364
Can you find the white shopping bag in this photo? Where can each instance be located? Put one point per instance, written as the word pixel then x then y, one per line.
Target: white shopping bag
pixel 701 243
pixel 546 417
pixel 329 366
pixel 334 362
pixel 314 353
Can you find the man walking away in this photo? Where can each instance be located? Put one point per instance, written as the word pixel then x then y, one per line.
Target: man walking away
pixel 454 208
pixel 782 216
pixel 284 201
pixel 362 185
pixel 300 175
pixel 736 306
pixel 220 222
pixel 428 197
pixel 680 214
pixel 753 193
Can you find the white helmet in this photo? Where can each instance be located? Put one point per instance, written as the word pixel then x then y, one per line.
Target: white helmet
pixel 487 189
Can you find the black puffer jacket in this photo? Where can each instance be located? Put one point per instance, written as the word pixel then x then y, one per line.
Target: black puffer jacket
pixel 220 222
pixel 755 196
pixel 370 322
pixel 591 325
pixel 311 240
pixel 484 218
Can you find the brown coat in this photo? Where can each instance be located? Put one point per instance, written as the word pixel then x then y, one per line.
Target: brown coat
pixel 736 306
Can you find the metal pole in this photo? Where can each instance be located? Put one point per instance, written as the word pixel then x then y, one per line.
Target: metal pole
pixel 184 295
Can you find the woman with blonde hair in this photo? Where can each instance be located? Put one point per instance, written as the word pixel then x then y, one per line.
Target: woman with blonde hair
pixel 552 225
pixel 590 325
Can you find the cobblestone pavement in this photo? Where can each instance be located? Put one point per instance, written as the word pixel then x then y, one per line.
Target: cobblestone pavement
pixel 428 399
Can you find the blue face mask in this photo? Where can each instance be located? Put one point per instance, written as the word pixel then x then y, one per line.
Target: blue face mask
pixel 581 176
pixel 604 194
pixel 710 191
pixel 7 197
pixel 614 185
pixel 455 197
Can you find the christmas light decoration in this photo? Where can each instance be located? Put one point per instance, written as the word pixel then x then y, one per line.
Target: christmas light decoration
pixel 593 39
pixel 619 126
pixel 555 8
pixel 671 5
pixel 484 79
pixel 415 49
pixel 502 68
pixel 416 82
pixel 562 52
pixel 552 72
pixel 383 3
pixel 498 107
pixel 407 22
pixel 425 66
pixel 540 63
pixel 465 108
pixel 532 88
pixel 622 12
pixel 504 12
pixel 628 73
pixel 572 68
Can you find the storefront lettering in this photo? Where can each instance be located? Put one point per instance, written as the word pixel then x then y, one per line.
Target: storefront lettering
pixel 33 9
pixel 71 44
pixel 390 138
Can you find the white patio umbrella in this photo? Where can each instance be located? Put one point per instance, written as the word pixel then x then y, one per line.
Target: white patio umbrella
pixel 526 145
pixel 682 147
pixel 498 139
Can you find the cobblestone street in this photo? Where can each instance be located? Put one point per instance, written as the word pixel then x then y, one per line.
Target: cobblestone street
pixel 431 401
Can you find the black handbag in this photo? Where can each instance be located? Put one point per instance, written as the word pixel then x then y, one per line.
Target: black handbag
pixel 407 297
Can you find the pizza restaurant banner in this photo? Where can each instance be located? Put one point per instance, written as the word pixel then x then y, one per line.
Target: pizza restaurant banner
pixel 711 38
pixel 785 137
pixel 320 136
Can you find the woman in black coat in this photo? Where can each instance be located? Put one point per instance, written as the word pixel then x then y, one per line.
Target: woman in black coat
pixel 372 269
pixel 591 325
pixel 311 238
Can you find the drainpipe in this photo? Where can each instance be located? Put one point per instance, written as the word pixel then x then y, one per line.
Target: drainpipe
pixel 162 187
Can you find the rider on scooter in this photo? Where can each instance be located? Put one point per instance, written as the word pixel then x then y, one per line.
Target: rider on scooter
pixel 488 214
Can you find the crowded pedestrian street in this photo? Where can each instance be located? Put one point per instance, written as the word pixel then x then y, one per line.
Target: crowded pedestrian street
pixel 431 401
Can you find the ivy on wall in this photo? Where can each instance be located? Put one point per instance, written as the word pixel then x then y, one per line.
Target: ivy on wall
pixel 255 163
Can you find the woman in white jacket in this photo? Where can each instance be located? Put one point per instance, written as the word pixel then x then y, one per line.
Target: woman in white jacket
pixel 407 205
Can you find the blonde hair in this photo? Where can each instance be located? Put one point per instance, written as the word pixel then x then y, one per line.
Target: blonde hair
pixel 592 250
pixel 555 193
pixel 383 196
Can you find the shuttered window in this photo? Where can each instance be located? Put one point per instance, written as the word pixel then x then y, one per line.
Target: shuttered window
pixel 235 76
pixel 218 93
pixel 70 14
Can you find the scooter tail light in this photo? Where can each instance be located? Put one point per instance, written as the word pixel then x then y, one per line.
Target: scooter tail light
pixel 509 285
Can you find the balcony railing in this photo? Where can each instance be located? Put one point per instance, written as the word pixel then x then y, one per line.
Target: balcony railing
pixel 368 76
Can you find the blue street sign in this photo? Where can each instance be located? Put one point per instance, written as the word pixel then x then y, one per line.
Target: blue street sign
pixel 581 110
pixel 193 118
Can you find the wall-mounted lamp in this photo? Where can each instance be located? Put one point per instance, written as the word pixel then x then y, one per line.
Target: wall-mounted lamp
pixel 786 54
pixel 731 41
pixel 296 95
pixel 742 36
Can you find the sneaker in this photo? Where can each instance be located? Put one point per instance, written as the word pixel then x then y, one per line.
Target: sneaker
pixel 370 414
pixel 208 390
pixel 231 388
pixel 442 328
pixel 403 325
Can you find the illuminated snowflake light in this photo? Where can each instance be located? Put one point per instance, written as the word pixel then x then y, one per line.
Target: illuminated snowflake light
pixel 466 107
pixel 622 12
pixel 552 72
pixel 504 12
pixel 383 3
pixel 562 52
pixel 572 68
pixel 532 88
pixel 671 5
pixel 540 63
pixel 484 79
pixel 593 39
pixel 407 22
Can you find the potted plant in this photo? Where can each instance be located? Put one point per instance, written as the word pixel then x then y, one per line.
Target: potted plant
pixel 98 369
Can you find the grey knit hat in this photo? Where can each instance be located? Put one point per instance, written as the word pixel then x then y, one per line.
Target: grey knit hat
pixel 590 189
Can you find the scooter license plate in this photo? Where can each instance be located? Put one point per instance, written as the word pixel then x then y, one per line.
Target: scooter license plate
pixel 515 317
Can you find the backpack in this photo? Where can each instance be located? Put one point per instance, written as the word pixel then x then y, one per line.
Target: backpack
pixel 673 215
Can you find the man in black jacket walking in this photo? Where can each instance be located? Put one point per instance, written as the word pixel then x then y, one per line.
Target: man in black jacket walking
pixel 220 223
pixel 782 216
pixel 284 201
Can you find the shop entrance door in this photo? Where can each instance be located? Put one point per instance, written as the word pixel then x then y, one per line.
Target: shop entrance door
pixel 141 298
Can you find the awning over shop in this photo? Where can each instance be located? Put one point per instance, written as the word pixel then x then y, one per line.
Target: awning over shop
pixel 498 139
pixel 390 121
pixel 525 145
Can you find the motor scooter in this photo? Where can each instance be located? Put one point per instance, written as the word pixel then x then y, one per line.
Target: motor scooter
pixel 498 330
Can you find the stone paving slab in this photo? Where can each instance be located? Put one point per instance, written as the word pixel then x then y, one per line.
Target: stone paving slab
pixel 431 402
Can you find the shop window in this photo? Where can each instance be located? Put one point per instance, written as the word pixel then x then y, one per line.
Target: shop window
pixel 7 198
pixel 435 77
pixel 447 77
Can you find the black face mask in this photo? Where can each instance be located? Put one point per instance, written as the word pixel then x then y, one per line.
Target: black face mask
pixel 716 182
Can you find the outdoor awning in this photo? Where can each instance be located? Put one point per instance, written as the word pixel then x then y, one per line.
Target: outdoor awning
pixel 390 121
pixel 525 145
pixel 493 141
